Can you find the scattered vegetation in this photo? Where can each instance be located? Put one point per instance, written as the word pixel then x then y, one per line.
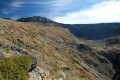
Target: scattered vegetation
pixel 6 51
pixel 15 68
pixel 1 44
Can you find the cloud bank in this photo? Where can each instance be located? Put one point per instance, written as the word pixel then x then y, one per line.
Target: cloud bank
pixel 107 11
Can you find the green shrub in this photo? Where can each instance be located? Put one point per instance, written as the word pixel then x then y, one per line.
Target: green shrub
pixel 15 68
pixel 6 51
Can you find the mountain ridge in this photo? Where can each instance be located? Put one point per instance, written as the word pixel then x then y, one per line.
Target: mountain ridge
pixel 40 18
pixel 87 31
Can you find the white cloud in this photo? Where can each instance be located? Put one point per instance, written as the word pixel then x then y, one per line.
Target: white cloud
pixel 53 3
pixel 17 4
pixel 107 11
pixel 54 7
pixel 22 3
pixel 59 6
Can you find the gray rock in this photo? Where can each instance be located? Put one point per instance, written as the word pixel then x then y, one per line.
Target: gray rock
pixel 34 62
pixel 14 48
pixel 35 76
pixel 1 55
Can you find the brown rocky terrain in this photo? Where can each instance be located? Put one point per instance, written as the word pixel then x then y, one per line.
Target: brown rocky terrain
pixel 60 55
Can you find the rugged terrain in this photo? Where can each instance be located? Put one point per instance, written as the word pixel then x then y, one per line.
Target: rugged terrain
pixel 60 55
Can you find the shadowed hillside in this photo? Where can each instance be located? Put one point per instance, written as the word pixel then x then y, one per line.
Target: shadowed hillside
pixel 94 31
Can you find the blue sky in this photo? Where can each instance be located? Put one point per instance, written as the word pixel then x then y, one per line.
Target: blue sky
pixel 64 11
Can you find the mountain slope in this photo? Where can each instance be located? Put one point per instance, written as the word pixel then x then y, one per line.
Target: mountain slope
pixel 60 55
pixel 52 47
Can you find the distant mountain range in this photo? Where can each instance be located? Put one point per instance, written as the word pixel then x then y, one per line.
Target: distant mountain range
pixel 86 31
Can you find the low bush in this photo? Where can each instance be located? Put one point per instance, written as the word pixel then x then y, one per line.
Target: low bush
pixel 15 68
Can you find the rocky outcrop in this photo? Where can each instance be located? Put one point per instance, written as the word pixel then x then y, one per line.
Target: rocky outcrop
pixel 34 62
pixel 16 49
pixel 42 74
pixel 35 75
pixel 1 55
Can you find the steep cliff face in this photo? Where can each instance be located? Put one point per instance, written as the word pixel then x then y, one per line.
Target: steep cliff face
pixel 59 54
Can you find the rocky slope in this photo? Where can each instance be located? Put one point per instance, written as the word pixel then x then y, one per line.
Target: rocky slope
pixel 60 55
pixel 52 47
